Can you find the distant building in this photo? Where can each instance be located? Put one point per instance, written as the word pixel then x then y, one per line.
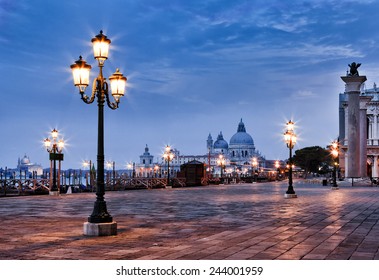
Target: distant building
pixel 369 122
pixel 238 154
pixel 145 168
pixel 239 151
pixel 24 164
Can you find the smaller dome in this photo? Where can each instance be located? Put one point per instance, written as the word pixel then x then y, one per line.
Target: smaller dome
pixel 25 160
pixel 220 143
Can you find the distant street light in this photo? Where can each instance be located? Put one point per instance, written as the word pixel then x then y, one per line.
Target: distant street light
pixel 80 71
pixel 156 168
pixel 85 164
pixel 112 165
pixel 277 166
pixel 54 148
pixel 221 162
pixel 334 152
pixel 168 156
pixel 254 163
pixel 290 139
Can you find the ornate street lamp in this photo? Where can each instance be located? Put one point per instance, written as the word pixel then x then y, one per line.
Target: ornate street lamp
pixel 334 152
pixel 80 71
pixel 54 147
pixel 168 156
pixel 290 139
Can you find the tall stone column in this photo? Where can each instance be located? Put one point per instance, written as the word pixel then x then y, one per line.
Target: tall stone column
pixel 352 89
pixel 344 139
pixel 364 100
pixel 375 167
pixel 375 129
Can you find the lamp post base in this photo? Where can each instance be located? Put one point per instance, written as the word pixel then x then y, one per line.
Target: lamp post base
pixel 100 229
pixel 54 193
pixel 290 195
pixel 335 188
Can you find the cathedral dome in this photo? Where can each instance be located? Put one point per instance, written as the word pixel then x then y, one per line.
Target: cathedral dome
pixel 220 143
pixel 241 137
pixel 25 160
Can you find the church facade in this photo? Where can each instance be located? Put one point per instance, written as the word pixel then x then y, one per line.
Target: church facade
pixel 368 133
pixel 25 165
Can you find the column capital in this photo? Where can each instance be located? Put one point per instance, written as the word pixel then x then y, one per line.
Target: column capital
pixel 353 83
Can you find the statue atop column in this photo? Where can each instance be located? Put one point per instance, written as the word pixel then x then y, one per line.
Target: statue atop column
pixel 354 69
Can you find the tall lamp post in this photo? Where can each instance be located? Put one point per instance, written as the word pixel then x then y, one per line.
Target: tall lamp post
pixel 100 222
pixel 334 152
pixel 168 156
pixel 54 147
pixel 290 139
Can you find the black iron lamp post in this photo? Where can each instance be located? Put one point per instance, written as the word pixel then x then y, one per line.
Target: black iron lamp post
pixel 54 148
pixel 290 139
pixel 168 156
pixel 334 152
pixel 100 89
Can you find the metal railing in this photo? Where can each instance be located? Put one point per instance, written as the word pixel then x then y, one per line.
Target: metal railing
pixel 23 186
pixel 14 187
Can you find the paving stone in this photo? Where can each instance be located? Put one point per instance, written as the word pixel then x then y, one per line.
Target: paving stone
pixel 244 221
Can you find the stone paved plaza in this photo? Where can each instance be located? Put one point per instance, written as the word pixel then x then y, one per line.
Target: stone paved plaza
pixel 245 221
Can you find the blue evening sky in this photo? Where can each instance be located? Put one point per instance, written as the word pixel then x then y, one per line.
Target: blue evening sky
pixel 194 67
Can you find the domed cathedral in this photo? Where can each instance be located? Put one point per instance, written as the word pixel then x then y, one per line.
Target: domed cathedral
pixel 240 149
pixel 25 165
pixel 241 146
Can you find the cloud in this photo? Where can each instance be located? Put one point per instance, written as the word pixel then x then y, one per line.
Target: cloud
pixel 303 94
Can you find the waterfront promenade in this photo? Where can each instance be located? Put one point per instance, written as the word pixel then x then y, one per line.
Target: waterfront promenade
pixel 234 222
